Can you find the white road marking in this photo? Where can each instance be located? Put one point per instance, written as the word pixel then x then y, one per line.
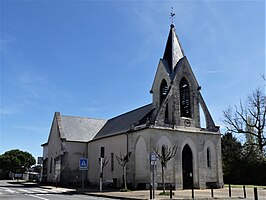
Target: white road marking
pixel 10 191
pixel 26 191
pixel 31 195
pixel 40 190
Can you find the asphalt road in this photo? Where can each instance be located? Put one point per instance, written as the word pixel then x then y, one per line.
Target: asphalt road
pixel 11 190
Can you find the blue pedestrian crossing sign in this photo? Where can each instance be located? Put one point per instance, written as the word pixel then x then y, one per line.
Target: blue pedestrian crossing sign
pixel 83 164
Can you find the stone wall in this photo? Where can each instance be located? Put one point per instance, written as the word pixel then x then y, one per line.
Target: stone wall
pixel 113 145
pixel 143 142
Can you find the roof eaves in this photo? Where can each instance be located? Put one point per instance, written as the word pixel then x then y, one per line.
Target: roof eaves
pixel 107 136
pixel 60 126
pixel 44 144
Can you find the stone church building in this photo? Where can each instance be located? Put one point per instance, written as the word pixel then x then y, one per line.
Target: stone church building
pixel 173 118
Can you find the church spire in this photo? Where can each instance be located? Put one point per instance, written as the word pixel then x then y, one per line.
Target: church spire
pixel 173 51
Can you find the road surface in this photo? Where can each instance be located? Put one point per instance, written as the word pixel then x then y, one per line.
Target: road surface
pixel 14 191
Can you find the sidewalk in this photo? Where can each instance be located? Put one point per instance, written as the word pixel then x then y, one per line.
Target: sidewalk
pixel 220 194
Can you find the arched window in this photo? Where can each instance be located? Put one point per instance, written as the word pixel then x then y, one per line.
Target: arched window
pixel 208 157
pixel 163 91
pixel 51 164
pixel 163 94
pixel 184 98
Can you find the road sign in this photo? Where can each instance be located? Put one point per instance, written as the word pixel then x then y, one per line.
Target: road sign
pixel 83 164
pixel 153 156
pixel 40 160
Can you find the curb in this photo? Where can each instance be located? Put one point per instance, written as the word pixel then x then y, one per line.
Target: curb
pixel 112 197
pixel 135 198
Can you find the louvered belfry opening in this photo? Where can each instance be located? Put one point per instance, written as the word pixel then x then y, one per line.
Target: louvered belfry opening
pixel 185 107
pixel 163 94
pixel 163 91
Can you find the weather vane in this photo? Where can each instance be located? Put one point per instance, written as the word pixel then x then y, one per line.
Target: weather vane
pixel 172 15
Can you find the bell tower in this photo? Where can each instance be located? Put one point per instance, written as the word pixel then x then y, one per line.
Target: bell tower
pixel 176 93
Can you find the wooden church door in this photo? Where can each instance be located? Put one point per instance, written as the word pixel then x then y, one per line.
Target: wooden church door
pixel 187 167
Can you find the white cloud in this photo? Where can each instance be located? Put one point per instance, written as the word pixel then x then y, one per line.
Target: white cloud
pixel 35 129
pixel 214 71
pixel 31 84
pixel 6 40
pixel 9 110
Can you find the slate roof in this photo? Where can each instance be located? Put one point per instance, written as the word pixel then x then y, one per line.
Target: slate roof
pixel 122 123
pixel 173 50
pixel 80 129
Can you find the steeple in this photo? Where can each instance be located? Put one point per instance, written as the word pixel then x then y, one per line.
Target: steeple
pixel 173 51
pixel 176 96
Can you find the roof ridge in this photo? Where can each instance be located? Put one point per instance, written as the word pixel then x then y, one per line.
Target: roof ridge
pixel 130 111
pixel 122 123
pixel 82 117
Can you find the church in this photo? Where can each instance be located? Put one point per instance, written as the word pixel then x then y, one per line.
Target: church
pixel 173 118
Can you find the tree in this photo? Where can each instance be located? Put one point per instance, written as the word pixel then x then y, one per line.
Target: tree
pixel 166 154
pixel 122 161
pixel 231 153
pixel 104 163
pixel 242 164
pixel 249 119
pixel 16 159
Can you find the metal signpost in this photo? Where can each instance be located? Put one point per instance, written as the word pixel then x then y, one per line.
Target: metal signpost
pixel 101 168
pixel 153 163
pixel 83 166
pixel 101 175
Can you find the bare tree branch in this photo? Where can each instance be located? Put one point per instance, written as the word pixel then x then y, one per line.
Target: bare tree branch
pixel 122 161
pixel 105 162
pixel 166 154
pixel 249 119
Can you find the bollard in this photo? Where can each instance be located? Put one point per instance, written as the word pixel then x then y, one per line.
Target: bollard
pixel 230 191
pixel 192 192
pixel 212 190
pixel 171 190
pixel 245 194
pixel 150 191
pixel 256 193
pixel 77 182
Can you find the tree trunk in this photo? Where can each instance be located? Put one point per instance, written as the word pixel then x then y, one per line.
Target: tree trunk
pixel 260 141
pixel 163 179
pixel 125 177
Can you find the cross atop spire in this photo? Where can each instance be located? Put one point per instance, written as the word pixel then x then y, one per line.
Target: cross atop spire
pixel 172 15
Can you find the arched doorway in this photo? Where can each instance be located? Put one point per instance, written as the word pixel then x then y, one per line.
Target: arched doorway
pixel 187 167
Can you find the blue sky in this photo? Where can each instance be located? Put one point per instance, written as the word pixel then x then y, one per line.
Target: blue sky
pixel 98 58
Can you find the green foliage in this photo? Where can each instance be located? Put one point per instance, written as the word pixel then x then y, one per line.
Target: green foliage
pixel 165 193
pixel 14 160
pixel 231 150
pixel 242 164
pixel 125 190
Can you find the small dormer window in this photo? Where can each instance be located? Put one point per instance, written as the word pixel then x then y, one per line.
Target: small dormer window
pixel 185 107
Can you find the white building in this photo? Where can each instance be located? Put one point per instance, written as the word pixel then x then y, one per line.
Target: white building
pixel 173 118
pixel 67 143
